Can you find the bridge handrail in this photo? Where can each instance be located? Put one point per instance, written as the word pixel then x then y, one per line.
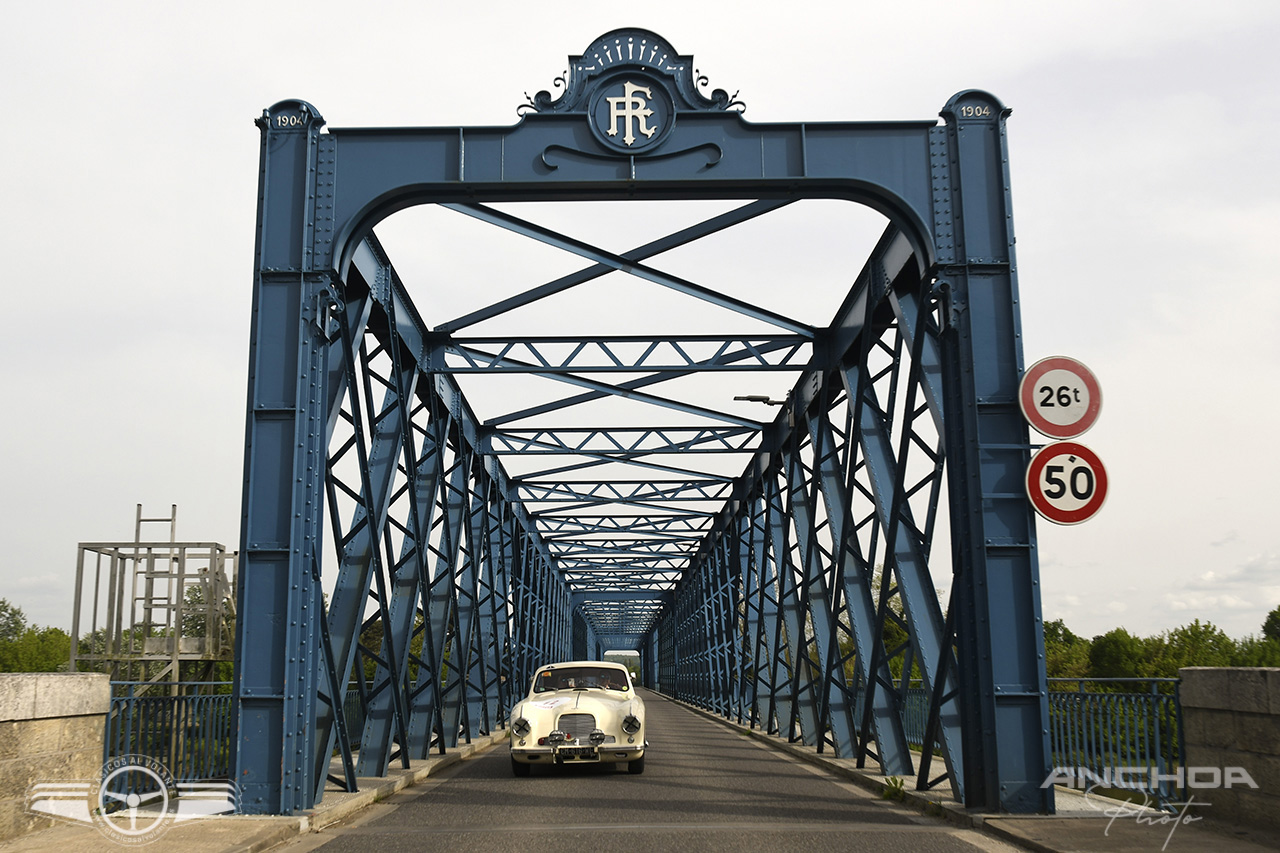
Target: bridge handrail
pixel 1094 732
pixel 189 733
pixel 1097 732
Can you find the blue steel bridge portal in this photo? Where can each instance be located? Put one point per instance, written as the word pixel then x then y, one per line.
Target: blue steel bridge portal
pixel 795 595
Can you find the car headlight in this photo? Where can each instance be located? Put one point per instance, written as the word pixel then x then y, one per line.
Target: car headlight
pixel 557 737
pixel 521 727
pixel 631 724
pixel 596 737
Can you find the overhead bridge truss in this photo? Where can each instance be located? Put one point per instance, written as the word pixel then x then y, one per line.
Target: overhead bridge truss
pixel 775 570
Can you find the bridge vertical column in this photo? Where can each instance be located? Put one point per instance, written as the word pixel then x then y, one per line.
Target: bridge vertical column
pixel 831 708
pixel 525 610
pixel 278 642
pixel 439 604
pixel 999 635
pixel 764 603
pixel 561 647
pixel 454 708
pixel 716 610
pixel 531 612
pixel 800 704
pixel 471 588
pixel 496 626
pixel 746 618
pixel 412 576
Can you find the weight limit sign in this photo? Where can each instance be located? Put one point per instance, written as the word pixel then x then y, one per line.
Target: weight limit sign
pixel 1060 397
pixel 1066 483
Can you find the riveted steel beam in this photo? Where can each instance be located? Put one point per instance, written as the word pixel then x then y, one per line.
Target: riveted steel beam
pixel 631 354
pixel 617 442
pixel 282 511
pixel 638 460
pixel 999 635
pixel 629 386
pixel 702 489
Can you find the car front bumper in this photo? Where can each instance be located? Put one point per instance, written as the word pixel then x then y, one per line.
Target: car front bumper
pixel 576 753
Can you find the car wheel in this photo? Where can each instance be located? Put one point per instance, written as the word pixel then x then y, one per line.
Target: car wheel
pixel 637 766
pixel 520 769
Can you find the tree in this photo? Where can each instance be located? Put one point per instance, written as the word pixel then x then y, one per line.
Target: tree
pixel 893 636
pixel 36 650
pixel 1197 644
pixel 1257 651
pixel 30 648
pixel 1117 654
pixel 12 621
pixel 1065 654
pixel 1271 627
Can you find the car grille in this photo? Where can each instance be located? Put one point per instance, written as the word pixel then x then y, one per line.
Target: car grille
pixel 577 725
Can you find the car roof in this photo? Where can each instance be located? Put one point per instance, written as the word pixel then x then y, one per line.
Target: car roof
pixel 597 663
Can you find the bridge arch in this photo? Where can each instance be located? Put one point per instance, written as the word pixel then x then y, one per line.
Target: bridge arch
pixel 352 232
pixel 333 327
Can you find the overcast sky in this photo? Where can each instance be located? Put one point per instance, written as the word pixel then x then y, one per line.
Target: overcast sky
pixel 1146 195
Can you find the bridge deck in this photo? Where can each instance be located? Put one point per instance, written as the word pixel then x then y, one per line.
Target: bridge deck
pixel 705 787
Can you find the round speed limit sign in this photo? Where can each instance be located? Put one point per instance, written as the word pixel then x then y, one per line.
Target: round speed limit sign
pixel 1060 397
pixel 1066 483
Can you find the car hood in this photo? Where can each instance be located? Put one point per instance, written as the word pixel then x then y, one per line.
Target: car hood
pixel 594 702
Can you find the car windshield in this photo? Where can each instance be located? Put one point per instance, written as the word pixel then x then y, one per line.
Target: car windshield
pixel 579 678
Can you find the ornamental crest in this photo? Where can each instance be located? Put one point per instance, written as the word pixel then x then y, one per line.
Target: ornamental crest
pixel 631 85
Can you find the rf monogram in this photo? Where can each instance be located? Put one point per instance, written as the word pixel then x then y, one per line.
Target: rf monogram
pixel 631 107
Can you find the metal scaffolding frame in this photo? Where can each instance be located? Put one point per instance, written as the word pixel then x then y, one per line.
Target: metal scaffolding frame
pixel 796 596
pixel 158 611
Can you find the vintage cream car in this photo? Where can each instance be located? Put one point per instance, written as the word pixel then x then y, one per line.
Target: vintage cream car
pixel 579 712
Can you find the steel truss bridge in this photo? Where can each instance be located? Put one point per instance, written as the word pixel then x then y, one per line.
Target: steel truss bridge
pixel 794 593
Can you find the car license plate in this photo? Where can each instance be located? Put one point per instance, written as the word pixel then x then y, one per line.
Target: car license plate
pixel 578 752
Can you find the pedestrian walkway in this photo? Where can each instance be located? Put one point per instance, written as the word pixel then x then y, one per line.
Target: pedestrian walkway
pixel 252 833
pixel 1081 825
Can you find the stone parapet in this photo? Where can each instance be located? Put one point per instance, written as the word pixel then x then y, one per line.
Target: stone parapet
pixel 1231 718
pixel 51 730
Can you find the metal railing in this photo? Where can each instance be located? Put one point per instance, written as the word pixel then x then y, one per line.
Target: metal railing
pixel 915 717
pixel 1101 726
pixel 1119 734
pixel 353 712
pixel 184 726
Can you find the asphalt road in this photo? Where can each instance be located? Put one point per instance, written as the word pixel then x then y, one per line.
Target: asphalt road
pixel 704 788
